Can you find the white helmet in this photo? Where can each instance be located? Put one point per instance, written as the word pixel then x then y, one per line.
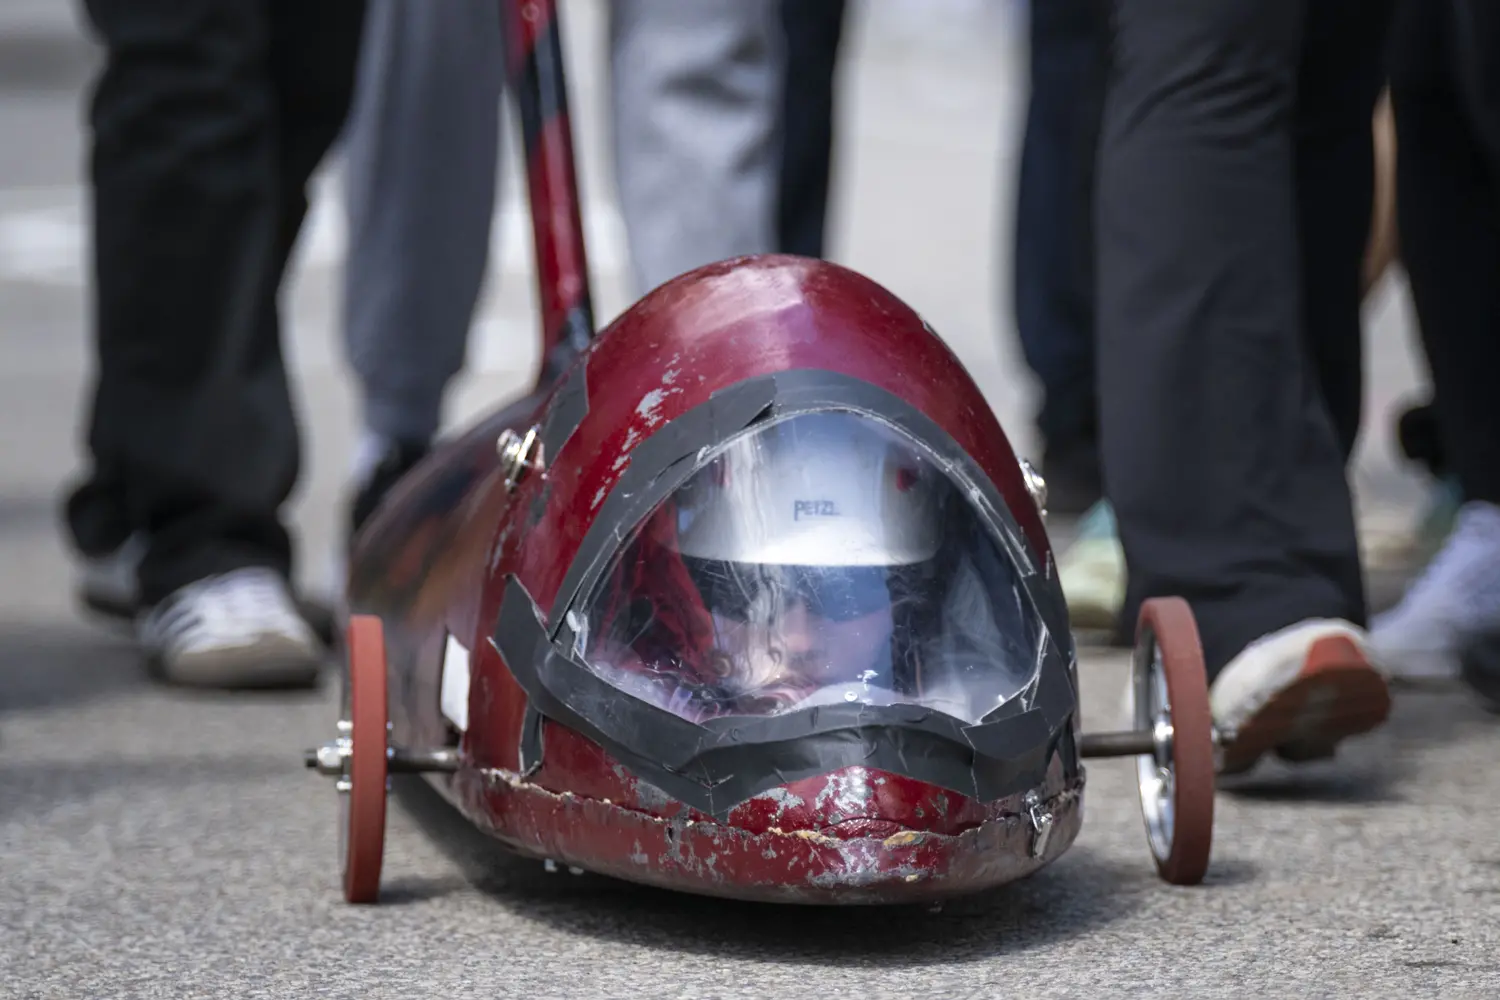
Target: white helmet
pixel 815 489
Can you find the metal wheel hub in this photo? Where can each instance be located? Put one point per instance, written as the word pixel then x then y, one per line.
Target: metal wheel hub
pixel 333 760
pixel 1155 773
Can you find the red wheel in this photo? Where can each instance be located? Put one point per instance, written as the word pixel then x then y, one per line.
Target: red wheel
pixel 1171 700
pixel 362 793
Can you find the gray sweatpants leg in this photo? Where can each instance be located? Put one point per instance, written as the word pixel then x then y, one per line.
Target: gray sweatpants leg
pixel 695 105
pixel 422 151
pixel 695 99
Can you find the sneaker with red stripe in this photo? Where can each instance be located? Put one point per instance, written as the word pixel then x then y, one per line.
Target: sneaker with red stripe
pixel 1298 692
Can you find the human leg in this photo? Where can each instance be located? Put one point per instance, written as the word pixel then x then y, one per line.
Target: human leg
pixel 1341 75
pixel 696 94
pixel 422 152
pixel 1448 115
pixel 1219 454
pixel 191 412
pixel 192 429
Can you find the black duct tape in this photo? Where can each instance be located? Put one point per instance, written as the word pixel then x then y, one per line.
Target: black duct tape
pixel 658 465
pixel 565 411
pixel 663 461
pixel 715 766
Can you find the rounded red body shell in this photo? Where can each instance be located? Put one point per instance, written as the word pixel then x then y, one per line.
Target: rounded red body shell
pixel 734 321
pixel 857 834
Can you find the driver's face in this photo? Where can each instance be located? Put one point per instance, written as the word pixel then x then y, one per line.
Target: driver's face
pixel 802 648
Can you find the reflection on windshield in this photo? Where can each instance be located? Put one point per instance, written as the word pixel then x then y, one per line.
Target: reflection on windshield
pixel 822 559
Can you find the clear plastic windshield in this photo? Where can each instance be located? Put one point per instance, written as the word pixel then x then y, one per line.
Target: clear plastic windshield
pixel 821 559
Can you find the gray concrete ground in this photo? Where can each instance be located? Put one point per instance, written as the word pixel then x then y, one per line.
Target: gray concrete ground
pixel 161 843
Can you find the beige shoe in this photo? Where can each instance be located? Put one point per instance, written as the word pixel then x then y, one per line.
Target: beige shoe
pixel 1092 572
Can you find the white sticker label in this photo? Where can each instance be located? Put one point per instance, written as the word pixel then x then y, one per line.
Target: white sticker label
pixel 455 698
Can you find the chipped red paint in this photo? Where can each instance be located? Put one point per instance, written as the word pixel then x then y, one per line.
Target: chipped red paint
pixel 578 765
pixel 737 320
pixel 845 803
pixel 850 802
pixel 704 331
pixel 855 835
pixel 775 865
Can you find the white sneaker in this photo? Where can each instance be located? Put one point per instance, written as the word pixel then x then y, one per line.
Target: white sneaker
pixel 239 629
pixel 1455 601
pixel 1299 692
pixel 109 584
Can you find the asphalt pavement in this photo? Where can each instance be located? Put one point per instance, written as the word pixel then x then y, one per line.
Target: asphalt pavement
pixel 158 843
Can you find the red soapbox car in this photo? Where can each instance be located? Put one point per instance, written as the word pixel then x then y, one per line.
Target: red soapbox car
pixel 749 598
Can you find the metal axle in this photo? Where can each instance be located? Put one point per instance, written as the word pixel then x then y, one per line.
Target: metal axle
pixel 330 757
pixel 1135 743
pixel 1138 743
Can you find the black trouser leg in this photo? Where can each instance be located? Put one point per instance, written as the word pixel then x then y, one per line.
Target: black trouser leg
pixel 1054 245
pixel 1343 71
pixel 1445 89
pixel 813 29
pixel 201 146
pixel 1219 454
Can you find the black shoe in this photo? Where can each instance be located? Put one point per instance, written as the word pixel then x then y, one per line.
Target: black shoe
pixel 396 463
pixel 1481 670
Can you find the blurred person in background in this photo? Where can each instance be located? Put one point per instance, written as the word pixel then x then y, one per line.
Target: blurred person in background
pixel 695 87
pixel 1397 544
pixel 1235 179
pixel 1092 567
pixel 207 121
pixel 1053 248
pixel 1445 86
pixel 1052 253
